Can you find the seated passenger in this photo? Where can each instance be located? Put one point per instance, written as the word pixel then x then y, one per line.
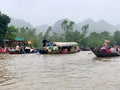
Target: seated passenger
pixel 55 49
pixel 113 49
pixel 77 49
pixel 104 48
pixel 72 50
pixel 118 49
pixel 12 49
pixel 65 51
pixel 17 48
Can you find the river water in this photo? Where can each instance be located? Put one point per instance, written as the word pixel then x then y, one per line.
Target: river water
pixel 79 71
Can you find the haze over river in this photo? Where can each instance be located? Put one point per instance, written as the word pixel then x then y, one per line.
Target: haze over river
pixel 78 71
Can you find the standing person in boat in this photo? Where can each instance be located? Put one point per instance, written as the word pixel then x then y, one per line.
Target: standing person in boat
pixel 44 42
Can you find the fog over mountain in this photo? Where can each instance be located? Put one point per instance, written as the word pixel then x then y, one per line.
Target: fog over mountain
pixel 43 28
pixel 18 23
pixel 57 26
pixel 98 26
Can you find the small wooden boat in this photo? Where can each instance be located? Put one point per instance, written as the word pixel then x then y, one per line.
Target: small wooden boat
pixel 100 53
pixel 60 48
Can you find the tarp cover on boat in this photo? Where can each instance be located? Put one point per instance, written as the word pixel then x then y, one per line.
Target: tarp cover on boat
pixel 65 43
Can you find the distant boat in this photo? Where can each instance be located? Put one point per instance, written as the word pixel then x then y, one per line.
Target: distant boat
pixel 99 53
pixel 60 48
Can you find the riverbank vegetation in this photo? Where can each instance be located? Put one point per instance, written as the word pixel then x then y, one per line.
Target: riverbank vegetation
pixel 69 34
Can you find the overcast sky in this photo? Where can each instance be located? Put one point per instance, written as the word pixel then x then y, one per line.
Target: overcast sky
pixel 39 12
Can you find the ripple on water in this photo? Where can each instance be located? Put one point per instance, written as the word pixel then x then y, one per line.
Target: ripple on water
pixel 79 71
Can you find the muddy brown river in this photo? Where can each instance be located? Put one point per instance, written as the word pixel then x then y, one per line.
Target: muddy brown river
pixel 79 71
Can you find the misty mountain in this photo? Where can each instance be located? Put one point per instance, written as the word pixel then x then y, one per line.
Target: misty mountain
pixel 118 26
pixel 57 26
pixel 98 26
pixel 18 23
pixel 43 28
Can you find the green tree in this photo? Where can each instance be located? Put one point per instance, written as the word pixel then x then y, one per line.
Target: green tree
pixel 83 38
pixel 94 39
pixel 22 32
pixel 39 40
pixel 46 35
pixel 106 35
pixel 11 33
pixel 97 39
pixel 67 26
pixel 4 21
pixel 76 37
pixel 56 37
pixel 64 25
pixel 84 29
pixel 29 35
pixel 116 37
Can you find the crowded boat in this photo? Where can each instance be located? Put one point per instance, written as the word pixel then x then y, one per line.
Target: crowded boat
pixel 17 46
pixel 60 48
pixel 106 50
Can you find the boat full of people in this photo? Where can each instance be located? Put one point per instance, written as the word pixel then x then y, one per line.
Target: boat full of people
pixel 106 50
pixel 21 50
pixel 103 53
pixel 60 48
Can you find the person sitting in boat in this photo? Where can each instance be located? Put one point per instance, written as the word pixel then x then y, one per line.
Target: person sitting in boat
pixel 113 49
pixel 77 49
pixel 118 49
pixel 104 48
pixel 72 50
pixel 27 49
pixel 12 49
pixel 22 50
pixel 55 49
pixel 60 49
pixel 32 50
pixel 17 48
pixel 49 49
pixel 65 51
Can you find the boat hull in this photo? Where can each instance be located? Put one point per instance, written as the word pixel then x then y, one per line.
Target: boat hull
pixel 99 53
pixel 14 52
pixel 45 52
